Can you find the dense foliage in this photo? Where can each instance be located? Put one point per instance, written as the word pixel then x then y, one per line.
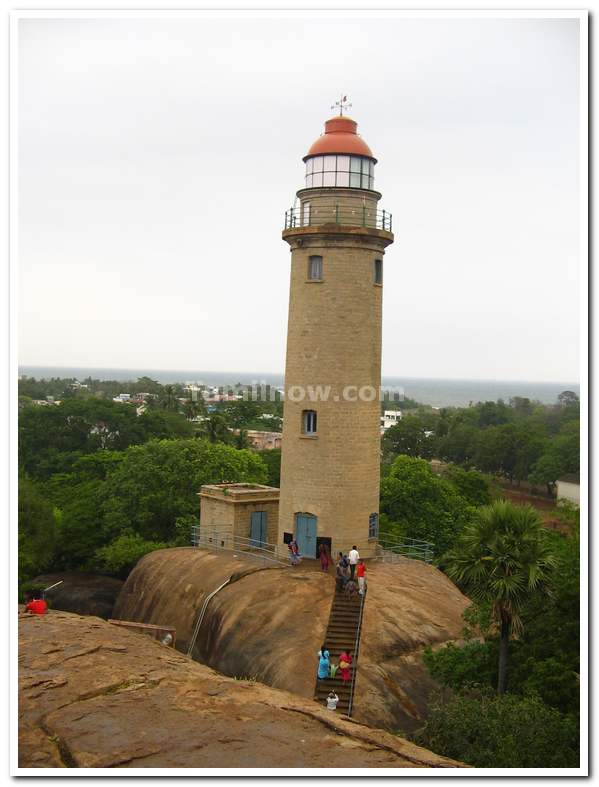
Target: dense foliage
pixel 489 730
pixel 543 691
pixel 501 559
pixel 520 441
pixel 416 503
pixel 104 482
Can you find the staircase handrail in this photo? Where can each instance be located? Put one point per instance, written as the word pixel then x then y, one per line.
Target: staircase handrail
pixel 196 629
pixel 356 651
pixel 394 539
pixel 230 542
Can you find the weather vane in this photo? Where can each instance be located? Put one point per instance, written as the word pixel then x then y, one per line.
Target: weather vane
pixel 343 103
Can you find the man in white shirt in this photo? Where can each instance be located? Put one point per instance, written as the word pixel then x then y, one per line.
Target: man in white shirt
pixel 353 556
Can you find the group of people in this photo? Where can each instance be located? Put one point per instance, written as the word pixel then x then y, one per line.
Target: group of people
pixel 350 571
pixel 328 669
pixel 349 568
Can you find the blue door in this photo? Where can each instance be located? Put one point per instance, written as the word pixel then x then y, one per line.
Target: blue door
pixel 305 534
pixel 258 528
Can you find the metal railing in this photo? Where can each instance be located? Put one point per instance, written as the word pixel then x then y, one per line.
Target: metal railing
pixel 392 550
pixel 196 628
pixel 221 538
pixel 356 651
pixel 345 215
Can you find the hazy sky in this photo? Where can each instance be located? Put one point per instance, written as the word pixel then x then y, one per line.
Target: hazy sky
pixel 157 158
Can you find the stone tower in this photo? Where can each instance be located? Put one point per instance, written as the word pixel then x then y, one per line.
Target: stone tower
pixel 331 425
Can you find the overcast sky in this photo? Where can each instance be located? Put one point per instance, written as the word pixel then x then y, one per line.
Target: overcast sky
pixel 157 158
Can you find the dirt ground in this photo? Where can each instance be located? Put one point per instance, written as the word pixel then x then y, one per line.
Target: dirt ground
pixel 544 505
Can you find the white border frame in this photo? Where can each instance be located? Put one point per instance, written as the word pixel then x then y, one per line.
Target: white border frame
pixel 15 17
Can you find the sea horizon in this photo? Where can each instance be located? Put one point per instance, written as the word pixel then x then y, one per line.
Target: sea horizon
pixel 433 391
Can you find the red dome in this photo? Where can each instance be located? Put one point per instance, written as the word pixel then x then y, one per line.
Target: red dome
pixel 340 136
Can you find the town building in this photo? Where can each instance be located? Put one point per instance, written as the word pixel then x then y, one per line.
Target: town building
pixel 568 488
pixel 331 424
pixel 390 418
pixel 238 515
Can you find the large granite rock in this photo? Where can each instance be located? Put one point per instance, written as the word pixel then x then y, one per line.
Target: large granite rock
pixel 86 594
pixel 94 695
pixel 268 624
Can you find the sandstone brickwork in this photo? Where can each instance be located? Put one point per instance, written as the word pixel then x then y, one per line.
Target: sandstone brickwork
pixel 334 351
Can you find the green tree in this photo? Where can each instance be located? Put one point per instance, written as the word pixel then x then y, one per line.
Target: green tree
pixel 408 437
pixel 502 558
pixel 122 554
pixel 240 439
pixel 37 530
pixel 75 427
pixel 169 401
pixel 421 505
pixel 272 460
pixel 192 408
pixel 215 429
pixel 471 485
pixel 487 730
pixel 158 482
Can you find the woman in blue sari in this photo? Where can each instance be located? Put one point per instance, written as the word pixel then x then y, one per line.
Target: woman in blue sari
pixel 323 663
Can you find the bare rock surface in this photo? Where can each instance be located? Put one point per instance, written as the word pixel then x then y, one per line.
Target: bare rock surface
pixel 409 606
pixel 270 623
pixel 86 594
pixel 96 695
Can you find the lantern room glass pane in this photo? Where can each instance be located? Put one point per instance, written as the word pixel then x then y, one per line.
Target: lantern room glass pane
pixel 354 180
pixel 355 164
pixel 317 164
pixel 329 163
pixel 317 179
pixel 309 166
pixel 343 178
pixel 342 163
pixel 309 181
pixel 328 179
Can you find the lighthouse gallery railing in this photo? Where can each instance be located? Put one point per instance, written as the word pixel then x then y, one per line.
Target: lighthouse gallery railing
pixel 359 216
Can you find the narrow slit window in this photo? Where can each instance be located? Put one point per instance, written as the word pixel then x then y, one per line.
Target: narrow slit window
pixel 315 268
pixel 309 422
pixel 373 526
pixel 378 271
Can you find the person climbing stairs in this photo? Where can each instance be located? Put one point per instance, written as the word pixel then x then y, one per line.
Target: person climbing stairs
pixel 342 635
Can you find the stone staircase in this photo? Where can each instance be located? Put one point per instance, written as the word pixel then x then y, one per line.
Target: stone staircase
pixel 342 634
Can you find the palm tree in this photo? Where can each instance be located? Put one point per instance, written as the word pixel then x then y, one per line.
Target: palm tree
pixel 169 400
pixel 216 430
pixel 192 409
pixel 241 439
pixel 502 558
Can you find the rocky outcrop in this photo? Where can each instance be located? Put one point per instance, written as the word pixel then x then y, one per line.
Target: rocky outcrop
pixel 94 695
pixel 86 594
pixel 268 624
pixel 409 606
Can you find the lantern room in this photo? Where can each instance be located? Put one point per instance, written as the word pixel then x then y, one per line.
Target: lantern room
pixel 340 157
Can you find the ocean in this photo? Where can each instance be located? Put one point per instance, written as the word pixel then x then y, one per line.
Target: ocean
pixel 434 392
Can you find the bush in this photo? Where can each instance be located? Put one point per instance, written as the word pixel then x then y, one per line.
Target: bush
pixel 122 554
pixel 423 505
pixel 475 663
pixel 37 530
pixel 486 730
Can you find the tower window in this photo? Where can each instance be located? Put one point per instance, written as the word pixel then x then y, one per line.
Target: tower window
pixel 378 271
pixel 315 268
pixel 309 422
pixel 373 526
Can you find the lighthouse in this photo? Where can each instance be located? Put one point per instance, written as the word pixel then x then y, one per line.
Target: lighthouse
pixel 337 234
